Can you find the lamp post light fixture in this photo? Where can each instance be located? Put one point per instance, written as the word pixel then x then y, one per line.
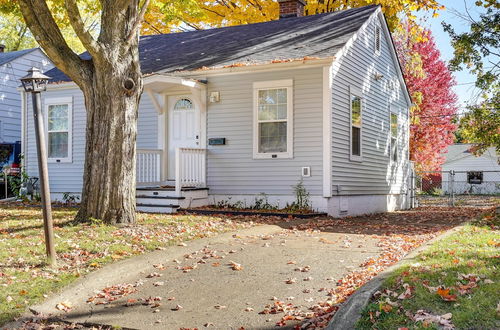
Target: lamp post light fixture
pixel 35 82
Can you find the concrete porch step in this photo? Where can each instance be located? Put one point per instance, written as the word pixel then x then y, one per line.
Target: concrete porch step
pixel 163 199
pixel 158 200
pixel 157 208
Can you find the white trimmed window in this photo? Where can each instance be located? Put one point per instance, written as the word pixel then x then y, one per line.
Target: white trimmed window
pixel 394 137
pixel 58 114
pixel 356 134
pixel 378 39
pixel 273 119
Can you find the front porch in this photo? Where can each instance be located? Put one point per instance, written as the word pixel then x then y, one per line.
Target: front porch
pixel 173 174
pixel 188 189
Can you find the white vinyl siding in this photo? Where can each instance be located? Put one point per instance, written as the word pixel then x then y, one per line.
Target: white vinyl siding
pixel 356 68
pixel 232 168
pixel 273 119
pixel 58 125
pixel 10 97
pixel 68 177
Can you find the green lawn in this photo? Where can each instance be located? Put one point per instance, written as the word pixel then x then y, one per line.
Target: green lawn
pixel 454 283
pixel 81 248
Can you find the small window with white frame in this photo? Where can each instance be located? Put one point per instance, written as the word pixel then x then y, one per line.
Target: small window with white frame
pixel 378 39
pixel 273 119
pixel 58 114
pixel 394 137
pixel 356 134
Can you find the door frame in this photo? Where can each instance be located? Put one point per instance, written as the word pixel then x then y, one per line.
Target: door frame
pixel 198 97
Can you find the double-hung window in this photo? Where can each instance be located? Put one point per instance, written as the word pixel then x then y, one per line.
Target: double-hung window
pixel 273 119
pixel 356 108
pixel 394 137
pixel 58 114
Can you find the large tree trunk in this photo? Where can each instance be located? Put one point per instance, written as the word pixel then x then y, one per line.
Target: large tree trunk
pixel 110 159
pixel 112 85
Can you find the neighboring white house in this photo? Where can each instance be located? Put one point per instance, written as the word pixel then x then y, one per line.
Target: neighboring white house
pixel 472 174
pixel 14 65
pixel 233 112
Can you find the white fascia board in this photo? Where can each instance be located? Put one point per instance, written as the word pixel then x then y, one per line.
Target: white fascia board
pixel 259 67
pixel 394 55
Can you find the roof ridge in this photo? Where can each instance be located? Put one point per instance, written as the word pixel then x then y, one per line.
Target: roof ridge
pixel 288 19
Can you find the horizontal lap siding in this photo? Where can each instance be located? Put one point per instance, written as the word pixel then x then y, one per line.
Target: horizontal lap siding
pixel 68 177
pixel 64 177
pixel 10 97
pixel 231 168
pixel 147 124
pixel 375 174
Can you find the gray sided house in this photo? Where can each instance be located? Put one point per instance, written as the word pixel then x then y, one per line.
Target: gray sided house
pixel 14 65
pixel 233 112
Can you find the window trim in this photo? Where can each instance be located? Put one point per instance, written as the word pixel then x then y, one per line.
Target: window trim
pixel 273 84
pixel 478 173
pixel 391 113
pixel 353 91
pixel 59 101
pixel 377 35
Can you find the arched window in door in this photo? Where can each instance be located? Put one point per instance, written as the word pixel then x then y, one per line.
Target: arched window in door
pixel 183 104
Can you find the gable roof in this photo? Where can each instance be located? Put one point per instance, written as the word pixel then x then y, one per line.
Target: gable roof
pixel 10 56
pixel 459 151
pixel 315 36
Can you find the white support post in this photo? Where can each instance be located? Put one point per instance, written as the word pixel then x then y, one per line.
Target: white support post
pixel 178 172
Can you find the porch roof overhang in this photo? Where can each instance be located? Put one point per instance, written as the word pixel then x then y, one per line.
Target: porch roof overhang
pixel 157 84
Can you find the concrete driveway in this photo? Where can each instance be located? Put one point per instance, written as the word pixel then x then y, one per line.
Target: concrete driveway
pixel 252 279
pixel 244 279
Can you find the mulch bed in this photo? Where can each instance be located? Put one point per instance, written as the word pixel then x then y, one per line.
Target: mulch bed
pixel 262 213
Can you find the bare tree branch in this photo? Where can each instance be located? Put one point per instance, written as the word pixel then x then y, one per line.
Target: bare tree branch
pixel 138 20
pixel 153 27
pixel 76 22
pixel 48 35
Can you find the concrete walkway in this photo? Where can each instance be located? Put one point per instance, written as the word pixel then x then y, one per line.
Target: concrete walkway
pixel 222 282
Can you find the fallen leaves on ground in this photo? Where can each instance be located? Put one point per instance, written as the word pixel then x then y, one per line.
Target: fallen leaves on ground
pixel 397 234
pixel 235 265
pixel 428 319
pixel 452 285
pixel 83 247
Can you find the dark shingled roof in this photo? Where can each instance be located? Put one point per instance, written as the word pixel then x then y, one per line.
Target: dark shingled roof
pixel 10 56
pixel 318 36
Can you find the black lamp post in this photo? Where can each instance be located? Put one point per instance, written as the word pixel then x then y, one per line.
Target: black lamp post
pixel 35 82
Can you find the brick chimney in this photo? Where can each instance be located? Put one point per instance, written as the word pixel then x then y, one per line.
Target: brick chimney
pixel 2 48
pixel 291 8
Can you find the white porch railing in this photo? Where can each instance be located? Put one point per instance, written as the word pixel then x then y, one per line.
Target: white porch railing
pixel 149 164
pixel 190 167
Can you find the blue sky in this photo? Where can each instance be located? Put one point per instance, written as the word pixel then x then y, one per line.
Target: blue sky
pixel 465 89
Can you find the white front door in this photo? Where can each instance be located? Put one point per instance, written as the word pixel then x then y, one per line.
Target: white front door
pixel 182 128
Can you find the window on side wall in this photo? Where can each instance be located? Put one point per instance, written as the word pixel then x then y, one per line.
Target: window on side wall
pixel 58 114
pixel 394 137
pixel 356 134
pixel 273 119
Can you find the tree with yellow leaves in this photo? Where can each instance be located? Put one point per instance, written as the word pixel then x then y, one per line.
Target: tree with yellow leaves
pixel 172 16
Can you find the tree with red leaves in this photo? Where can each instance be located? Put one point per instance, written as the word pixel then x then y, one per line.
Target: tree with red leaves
pixel 435 104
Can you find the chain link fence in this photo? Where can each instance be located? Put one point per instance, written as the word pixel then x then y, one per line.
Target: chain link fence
pixel 474 188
